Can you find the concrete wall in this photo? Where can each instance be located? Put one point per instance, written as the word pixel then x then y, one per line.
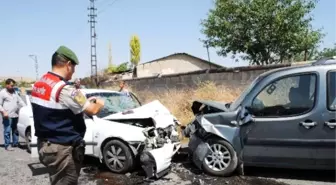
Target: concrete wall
pixel 232 77
pixel 172 65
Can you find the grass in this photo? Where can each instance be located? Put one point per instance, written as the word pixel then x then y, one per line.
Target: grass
pixel 179 101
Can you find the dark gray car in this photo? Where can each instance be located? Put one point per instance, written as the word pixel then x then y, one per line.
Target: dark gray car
pixel 286 118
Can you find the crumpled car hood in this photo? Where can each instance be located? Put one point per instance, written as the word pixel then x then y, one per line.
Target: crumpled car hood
pixel 218 106
pixel 155 110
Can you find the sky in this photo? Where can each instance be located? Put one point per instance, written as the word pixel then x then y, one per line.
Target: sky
pixel 164 27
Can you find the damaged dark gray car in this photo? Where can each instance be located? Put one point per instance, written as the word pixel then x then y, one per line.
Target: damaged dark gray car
pixel 285 118
pixel 215 136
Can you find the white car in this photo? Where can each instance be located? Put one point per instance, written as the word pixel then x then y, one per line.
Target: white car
pixel 123 131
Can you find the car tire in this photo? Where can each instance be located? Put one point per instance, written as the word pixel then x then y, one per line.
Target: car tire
pixel 28 139
pixel 223 153
pixel 115 153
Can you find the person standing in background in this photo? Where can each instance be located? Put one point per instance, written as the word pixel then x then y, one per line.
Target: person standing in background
pixel 123 88
pixel 77 83
pixel 10 104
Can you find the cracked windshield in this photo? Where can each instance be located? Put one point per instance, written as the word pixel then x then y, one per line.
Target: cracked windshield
pixel 116 102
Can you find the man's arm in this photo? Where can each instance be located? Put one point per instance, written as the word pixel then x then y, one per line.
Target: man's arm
pixel 77 102
pixel 2 110
pixel 21 102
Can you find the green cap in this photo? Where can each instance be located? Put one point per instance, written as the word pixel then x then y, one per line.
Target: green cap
pixel 67 53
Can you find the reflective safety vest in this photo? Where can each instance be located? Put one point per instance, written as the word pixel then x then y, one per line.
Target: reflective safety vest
pixel 54 121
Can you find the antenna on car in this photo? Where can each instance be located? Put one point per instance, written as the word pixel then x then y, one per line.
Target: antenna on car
pixel 325 60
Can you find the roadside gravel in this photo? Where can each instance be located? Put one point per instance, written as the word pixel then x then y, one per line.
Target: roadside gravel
pixel 17 167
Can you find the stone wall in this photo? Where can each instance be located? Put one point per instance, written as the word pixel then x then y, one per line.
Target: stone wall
pixel 232 77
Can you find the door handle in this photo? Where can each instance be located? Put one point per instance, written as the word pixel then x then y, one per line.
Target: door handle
pixel 308 125
pixel 330 124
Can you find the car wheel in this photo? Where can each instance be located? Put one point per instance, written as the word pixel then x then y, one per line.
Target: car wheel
pixel 118 156
pixel 222 160
pixel 28 139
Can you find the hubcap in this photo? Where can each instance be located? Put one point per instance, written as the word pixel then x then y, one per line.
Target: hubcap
pixel 219 157
pixel 116 157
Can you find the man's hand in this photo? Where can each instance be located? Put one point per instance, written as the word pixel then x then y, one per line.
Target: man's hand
pixel 100 102
pixel 5 114
pixel 96 104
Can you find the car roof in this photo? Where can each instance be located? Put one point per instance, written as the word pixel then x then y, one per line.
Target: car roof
pixel 321 63
pixel 90 91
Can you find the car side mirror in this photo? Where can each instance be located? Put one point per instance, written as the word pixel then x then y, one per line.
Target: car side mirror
pixel 245 116
pixel 250 109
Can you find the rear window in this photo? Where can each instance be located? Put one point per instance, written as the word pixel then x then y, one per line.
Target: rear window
pixel 23 96
pixel 331 90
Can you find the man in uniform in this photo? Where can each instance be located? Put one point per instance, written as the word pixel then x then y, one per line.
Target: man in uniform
pixel 58 118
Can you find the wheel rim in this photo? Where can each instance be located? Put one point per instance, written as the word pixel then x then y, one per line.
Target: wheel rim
pixel 28 139
pixel 116 157
pixel 219 157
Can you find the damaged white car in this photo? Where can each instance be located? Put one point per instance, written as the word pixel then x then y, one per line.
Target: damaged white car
pixel 123 132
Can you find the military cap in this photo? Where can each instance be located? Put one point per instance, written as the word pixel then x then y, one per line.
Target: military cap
pixel 67 53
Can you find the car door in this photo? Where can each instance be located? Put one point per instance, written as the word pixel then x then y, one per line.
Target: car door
pixel 328 153
pixel 25 115
pixel 287 116
pixel 89 135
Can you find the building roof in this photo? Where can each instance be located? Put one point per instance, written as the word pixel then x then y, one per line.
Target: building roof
pixel 186 54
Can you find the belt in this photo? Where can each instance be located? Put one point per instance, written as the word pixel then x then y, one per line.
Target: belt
pixel 71 143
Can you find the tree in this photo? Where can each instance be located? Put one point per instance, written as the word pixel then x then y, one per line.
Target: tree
pixel 123 67
pixel 264 31
pixel 135 53
pixel 327 52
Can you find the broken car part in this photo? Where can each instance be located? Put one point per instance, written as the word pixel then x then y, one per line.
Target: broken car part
pixel 216 137
pixel 161 145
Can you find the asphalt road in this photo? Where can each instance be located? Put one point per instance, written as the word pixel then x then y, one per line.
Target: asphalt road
pixel 17 167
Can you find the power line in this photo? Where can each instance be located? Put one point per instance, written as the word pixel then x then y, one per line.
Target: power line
pixel 107 6
pixel 100 2
pixel 92 20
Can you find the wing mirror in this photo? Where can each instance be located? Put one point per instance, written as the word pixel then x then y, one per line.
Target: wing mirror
pixel 245 116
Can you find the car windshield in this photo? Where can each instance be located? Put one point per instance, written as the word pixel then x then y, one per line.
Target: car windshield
pixel 115 102
pixel 242 96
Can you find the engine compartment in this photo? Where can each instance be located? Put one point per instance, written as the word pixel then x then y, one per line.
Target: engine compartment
pixel 157 137
pixel 159 147
pixel 160 143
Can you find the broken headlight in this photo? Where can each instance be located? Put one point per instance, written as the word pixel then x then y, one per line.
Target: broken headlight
pixel 194 128
pixel 200 131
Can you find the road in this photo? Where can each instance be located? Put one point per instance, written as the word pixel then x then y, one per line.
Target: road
pixel 17 167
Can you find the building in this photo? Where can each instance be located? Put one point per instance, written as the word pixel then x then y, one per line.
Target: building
pixel 172 64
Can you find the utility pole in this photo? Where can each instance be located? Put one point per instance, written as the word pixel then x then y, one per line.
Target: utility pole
pixel 92 20
pixel 34 57
pixel 207 47
pixel 109 55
